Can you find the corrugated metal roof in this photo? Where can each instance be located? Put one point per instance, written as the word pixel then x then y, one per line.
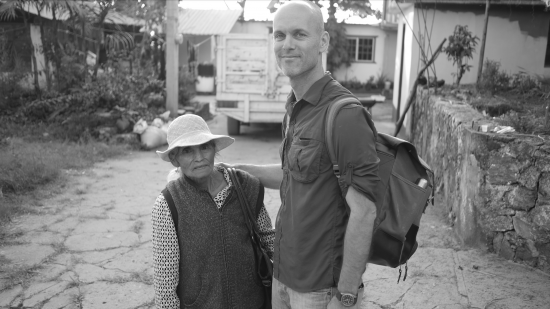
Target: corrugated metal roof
pixel 207 22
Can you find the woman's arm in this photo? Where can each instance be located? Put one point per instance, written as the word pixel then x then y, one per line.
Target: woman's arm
pixel 166 256
pixel 267 233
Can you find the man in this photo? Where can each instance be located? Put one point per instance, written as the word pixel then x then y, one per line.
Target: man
pixel 322 243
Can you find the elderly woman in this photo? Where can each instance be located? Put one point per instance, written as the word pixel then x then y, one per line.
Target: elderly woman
pixel 208 262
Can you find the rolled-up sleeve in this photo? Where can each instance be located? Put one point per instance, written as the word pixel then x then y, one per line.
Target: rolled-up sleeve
pixel 355 147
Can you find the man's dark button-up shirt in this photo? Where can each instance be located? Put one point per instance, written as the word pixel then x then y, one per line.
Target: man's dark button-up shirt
pixel 312 221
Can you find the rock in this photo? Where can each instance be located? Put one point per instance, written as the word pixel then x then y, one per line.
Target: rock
pixel 523 228
pixel 507 251
pixel 502 170
pixel 541 216
pixel 544 185
pixel 498 223
pixel 497 242
pixel 520 198
pixel 530 178
pixel 543 164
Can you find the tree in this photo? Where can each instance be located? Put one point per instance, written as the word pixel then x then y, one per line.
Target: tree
pixel 461 45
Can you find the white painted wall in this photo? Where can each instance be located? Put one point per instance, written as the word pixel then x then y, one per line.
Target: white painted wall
pixel 364 70
pixel 507 41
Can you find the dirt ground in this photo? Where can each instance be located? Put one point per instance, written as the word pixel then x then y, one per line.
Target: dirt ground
pixel 90 247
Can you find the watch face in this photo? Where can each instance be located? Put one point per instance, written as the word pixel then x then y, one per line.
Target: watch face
pixel 348 300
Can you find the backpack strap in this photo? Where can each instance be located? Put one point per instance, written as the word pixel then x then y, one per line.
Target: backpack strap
pixel 172 207
pixel 332 111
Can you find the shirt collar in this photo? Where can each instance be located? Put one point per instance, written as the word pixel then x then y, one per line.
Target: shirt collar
pixel 313 94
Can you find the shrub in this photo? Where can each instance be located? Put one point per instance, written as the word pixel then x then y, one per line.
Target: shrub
pixel 493 79
pixel 381 81
pixel 523 83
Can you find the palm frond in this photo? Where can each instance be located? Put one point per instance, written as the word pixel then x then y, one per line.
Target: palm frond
pixel 8 10
pixel 119 40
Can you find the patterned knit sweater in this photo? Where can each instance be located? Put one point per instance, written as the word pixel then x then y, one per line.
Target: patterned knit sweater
pixel 166 249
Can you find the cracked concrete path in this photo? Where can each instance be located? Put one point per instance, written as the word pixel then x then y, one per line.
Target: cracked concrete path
pixel 90 247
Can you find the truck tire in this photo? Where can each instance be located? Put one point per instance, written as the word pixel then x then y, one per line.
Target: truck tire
pixel 233 126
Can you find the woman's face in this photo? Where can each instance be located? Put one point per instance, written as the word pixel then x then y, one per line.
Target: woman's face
pixel 196 162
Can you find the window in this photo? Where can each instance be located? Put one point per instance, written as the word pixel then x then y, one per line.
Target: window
pixel 361 49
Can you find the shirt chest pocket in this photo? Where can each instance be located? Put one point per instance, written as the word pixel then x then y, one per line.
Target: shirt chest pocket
pixel 304 159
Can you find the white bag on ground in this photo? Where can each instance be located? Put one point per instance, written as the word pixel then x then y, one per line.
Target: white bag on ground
pixel 153 137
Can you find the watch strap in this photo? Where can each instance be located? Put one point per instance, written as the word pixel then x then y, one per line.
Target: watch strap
pixel 339 295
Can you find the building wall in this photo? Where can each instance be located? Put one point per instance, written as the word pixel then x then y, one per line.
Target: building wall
pixel 405 36
pixel 390 51
pixel 516 36
pixel 362 71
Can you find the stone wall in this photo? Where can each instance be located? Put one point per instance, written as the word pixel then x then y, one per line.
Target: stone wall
pixel 495 188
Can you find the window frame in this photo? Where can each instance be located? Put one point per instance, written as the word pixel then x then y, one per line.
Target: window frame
pixel 357 38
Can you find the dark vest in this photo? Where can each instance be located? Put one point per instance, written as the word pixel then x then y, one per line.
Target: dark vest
pixel 217 267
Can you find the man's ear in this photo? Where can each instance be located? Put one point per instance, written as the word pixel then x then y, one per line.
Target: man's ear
pixel 174 163
pixel 325 40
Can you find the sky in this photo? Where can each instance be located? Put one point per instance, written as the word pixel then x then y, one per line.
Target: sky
pixel 257 9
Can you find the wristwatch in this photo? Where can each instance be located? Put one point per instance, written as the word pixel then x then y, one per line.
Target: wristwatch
pixel 347 299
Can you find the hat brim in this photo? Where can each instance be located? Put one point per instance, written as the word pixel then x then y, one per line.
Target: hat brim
pixel 222 142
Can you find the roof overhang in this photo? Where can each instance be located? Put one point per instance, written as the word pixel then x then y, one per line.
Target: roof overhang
pixel 207 22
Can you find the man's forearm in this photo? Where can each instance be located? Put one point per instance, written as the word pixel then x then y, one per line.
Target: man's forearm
pixel 270 175
pixel 358 240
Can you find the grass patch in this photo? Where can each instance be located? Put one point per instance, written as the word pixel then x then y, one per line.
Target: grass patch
pixel 26 165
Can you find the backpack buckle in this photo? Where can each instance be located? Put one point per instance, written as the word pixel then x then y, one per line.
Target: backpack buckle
pixel 336 170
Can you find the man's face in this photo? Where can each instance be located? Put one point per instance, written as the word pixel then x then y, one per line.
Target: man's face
pixel 297 43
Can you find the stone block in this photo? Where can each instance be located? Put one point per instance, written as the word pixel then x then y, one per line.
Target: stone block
pixel 541 216
pixel 543 200
pixel 502 170
pixel 523 228
pixel 543 163
pixel 497 242
pixel 520 149
pixel 544 185
pixel 498 223
pixel 524 255
pixel 507 250
pixel 530 178
pixel 521 198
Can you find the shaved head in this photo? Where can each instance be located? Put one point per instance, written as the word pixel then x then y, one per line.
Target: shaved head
pixel 315 11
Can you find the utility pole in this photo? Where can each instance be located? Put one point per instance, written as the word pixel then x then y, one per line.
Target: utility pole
pixel 483 39
pixel 172 57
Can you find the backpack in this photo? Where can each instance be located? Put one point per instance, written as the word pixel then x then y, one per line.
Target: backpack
pixel 403 193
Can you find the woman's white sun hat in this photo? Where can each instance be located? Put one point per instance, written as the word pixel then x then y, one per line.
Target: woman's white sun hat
pixel 191 130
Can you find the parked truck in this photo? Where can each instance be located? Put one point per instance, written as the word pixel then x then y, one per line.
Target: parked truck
pixel 250 87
